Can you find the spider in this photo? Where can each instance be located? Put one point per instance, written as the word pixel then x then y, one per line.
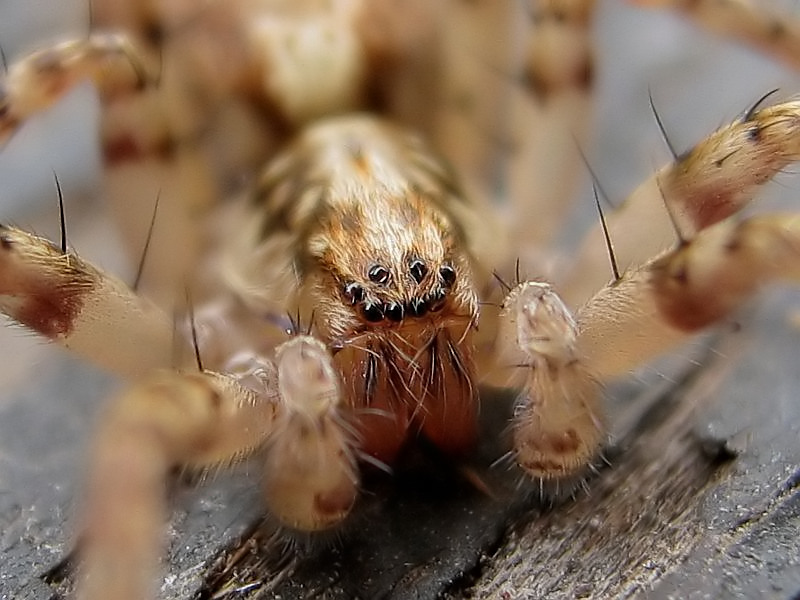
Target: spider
pixel 391 286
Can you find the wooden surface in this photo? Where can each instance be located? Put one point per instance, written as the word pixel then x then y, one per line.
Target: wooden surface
pixel 700 499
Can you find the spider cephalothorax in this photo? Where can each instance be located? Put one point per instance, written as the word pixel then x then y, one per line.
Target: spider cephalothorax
pixel 382 265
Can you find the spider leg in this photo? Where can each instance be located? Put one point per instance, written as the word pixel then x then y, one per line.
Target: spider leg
pixel 558 422
pixel 137 130
pixel 311 480
pixel 559 361
pixel 551 109
pixel 41 79
pixel 761 24
pixel 712 181
pixel 205 419
pixel 549 93
pixel 656 306
pixel 165 420
pixel 477 42
pixel 67 300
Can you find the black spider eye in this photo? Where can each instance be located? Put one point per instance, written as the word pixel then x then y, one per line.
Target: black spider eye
pixel 373 312
pixel 418 307
pixel 448 275
pixel 394 312
pixel 354 293
pixel 436 300
pixel 379 274
pixel 418 270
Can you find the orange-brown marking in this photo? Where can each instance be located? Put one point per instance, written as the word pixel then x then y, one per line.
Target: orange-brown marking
pixel 543 88
pixel 711 207
pixel 684 306
pixel 567 442
pixel 336 501
pixel 51 311
pixel 49 296
pixel 125 148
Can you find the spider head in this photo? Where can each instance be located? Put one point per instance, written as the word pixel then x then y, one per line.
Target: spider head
pixel 401 269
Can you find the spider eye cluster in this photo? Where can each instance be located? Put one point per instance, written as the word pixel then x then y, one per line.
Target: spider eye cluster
pixel 375 310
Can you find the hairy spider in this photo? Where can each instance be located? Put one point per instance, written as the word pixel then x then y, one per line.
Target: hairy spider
pixel 338 160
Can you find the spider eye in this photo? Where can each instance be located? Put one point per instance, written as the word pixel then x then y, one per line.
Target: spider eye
pixel 418 307
pixel 373 312
pixel 394 312
pixel 418 270
pixel 354 293
pixel 436 300
pixel 448 275
pixel 379 274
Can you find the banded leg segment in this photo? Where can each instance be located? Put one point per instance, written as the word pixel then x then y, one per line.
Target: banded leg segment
pixel 714 180
pixel 289 408
pixel 156 110
pixel 67 300
pixel 550 111
pixel 655 307
pixel 759 23
pixel 558 422
pixel 311 480
pixel 41 79
pixel 167 420
pixel 559 361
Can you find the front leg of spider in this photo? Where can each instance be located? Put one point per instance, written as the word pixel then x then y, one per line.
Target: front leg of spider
pixel 558 422
pixel 288 405
pixel 310 481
